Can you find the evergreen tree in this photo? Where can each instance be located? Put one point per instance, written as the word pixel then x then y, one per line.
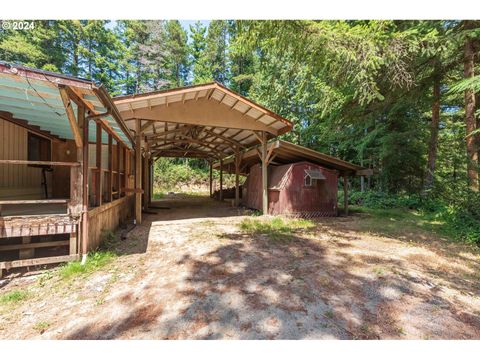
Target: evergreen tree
pixel 177 59
pixel 200 69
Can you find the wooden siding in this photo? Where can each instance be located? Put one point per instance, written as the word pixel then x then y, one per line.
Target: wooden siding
pixel 107 218
pixel 18 181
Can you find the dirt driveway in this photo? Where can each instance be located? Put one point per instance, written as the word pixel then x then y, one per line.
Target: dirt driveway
pixel 191 273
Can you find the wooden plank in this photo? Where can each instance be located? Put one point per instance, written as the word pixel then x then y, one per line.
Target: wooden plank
pixel 119 177
pixel 41 201
pixel 38 230
pixel 146 125
pixel 40 261
pixel 34 245
pixel 131 190
pixel 98 160
pixel 125 169
pixel 221 179
pixel 75 205
pixel 78 98
pixel 72 246
pixel 71 117
pixel 30 162
pixel 83 228
pixel 26 253
pixel 345 194
pixel 211 176
pixel 264 174
pixel 138 173
pixel 110 168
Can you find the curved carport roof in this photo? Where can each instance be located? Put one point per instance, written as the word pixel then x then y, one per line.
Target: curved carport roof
pixel 204 121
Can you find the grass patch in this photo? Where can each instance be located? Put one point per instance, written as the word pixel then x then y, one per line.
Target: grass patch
pixel 398 222
pixel 275 228
pixel 157 195
pixel 41 326
pixel 94 262
pixel 13 297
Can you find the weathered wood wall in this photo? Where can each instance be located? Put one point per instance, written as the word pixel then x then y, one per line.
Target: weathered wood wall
pixel 18 181
pixel 107 218
pixel 67 152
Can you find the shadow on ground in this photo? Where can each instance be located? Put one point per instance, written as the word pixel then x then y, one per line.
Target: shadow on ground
pixel 329 284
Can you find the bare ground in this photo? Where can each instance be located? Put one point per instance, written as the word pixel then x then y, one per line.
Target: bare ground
pixel 190 273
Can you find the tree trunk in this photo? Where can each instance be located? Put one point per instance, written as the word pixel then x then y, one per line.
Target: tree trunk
pixel 432 147
pixel 477 136
pixel 470 121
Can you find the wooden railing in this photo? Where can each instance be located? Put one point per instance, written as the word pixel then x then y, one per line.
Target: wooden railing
pixel 74 204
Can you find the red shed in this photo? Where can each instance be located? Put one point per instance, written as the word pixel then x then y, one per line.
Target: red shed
pixel 301 189
pixel 300 181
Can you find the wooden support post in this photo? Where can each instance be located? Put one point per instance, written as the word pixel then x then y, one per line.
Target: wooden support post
pixel 75 204
pixel 126 171
pixel 211 177
pixel 110 169
pixel 138 173
pixel 118 178
pixel 146 178
pixel 73 243
pixel 83 155
pixel 26 253
pixel 151 184
pixel 345 194
pixel 99 182
pixel 237 174
pixel 221 180
pixel 264 174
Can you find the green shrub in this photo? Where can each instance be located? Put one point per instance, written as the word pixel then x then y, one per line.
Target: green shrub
pixel 172 174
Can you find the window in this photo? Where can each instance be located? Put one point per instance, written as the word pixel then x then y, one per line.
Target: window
pixel 311 177
pixel 309 181
pixel 39 148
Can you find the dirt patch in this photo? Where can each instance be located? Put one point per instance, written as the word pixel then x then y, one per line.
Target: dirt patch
pixel 189 272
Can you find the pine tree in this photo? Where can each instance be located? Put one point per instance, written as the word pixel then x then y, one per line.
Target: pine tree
pixel 200 69
pixel 177 59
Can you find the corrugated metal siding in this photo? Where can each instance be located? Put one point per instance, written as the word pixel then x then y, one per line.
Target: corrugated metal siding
pixel 18 181
pixel 293 198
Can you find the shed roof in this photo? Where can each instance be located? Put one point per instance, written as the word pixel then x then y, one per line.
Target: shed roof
pixel 284 152
pixel 207 120
pixel 33 96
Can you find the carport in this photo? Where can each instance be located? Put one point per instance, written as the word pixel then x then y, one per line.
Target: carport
pixel 206 121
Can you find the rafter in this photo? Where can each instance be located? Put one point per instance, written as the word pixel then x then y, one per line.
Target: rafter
pixel 71 117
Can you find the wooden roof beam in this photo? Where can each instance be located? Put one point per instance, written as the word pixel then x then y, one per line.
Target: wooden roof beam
pixel 219 136
pixel 71 118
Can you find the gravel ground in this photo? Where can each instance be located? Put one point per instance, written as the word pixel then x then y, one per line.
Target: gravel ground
pixel 189 273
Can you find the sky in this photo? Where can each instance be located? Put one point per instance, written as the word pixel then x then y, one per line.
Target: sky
pixel 186 23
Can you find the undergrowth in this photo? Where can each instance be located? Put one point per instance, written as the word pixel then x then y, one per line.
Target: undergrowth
pixel 457 218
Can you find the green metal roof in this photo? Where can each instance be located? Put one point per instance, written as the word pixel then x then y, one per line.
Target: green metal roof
pixel 39 103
